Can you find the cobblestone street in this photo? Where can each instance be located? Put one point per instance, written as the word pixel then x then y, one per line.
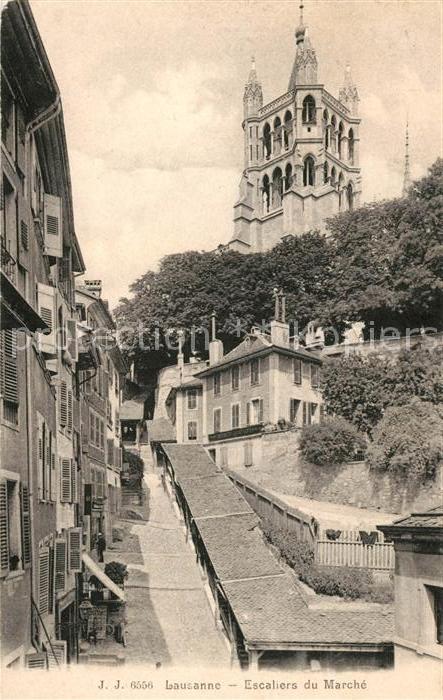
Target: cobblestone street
pixel 169 616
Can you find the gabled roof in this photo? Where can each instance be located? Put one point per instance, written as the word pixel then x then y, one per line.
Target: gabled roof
pixel 257 346
pixel 214 496
pixel 160 430
pixel 428 522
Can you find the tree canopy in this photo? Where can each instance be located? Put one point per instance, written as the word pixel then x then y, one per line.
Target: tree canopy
pixel 380 264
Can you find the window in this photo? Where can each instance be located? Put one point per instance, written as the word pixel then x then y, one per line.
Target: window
pixel 308 112
pixel 9 375
pixel 217 420
pixel 306 369
pixel 217 386
pixel 8 126
pixel 294 405
pixel 309 172
pixel 254 412
pixel 192 430
pixel 315 376
pixel 235 378
pixel 248 454
pixel 437 594
pixel 192 398
pixel 351 146
pixel 296 366
pixel 255 372
pixel 235 415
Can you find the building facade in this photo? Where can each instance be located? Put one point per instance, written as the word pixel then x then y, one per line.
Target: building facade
pixel 268 382
pixel 39 534
pixel 418 544
pixel 301 155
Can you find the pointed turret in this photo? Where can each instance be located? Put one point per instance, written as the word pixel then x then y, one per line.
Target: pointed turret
pixel 304 71
pixel 253 95
pixel 348 93
pixel 407 171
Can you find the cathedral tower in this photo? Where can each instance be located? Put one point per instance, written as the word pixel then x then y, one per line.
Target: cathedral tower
pixel 301 154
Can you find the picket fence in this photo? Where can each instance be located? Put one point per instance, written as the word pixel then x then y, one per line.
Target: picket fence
pixel 349 550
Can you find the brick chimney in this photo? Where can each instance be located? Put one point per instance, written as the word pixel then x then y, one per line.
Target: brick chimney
pixel 279 327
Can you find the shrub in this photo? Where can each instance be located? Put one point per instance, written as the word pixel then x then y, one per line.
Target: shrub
pixel 407 441
pixel 332 442
pixel 116 571
pixel 339 580
pixel 297 554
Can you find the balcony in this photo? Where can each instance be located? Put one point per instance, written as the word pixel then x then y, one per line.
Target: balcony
pixel 16 312
pixel 246 431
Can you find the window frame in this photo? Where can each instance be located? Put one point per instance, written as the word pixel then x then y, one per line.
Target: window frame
pixel 217 411
pixel 237 411
pixel 194 394
pixel 192 423
pixel 235 386
pixel 216 383
pixel 255 362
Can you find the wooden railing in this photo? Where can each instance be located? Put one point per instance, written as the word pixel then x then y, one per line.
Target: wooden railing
pixel 270 507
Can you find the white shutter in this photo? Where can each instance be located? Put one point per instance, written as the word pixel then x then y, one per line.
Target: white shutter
pixel 60 551
pixel 43 581
pixel 63 403
pixel 53 226
pixel 57 654
pixel 73 481
pixel 4 529
pixel 75 549
pixel 46 309
pixel 33 661
pixel 65 481
pixel 72 339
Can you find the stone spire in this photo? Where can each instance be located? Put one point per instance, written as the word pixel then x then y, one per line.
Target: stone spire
pixel 253 95
pixel 304 71
pixel 407 172
pixel 348 93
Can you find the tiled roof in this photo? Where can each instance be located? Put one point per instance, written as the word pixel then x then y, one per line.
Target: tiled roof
pixel 272 610
pixel 236 548
pixel 432 518
pixel 160 430
pixel 133 409
pixel 266 600
pixel 215 495
pixel 189 461
pixel 255 344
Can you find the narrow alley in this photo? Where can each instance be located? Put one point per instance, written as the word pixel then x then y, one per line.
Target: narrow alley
pixel 169 619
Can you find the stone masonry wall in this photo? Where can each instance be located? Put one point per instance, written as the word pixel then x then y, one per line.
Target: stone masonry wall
pixel 282 470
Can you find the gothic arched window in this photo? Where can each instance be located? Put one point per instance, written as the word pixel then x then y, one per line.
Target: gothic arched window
pixel 325 172
pixel 308 112
pixel 351 146
pixel 340 139
pixel 277 132
pixel 326 128
pixel 267 140
pixel 288 176
pixel 333 177
pixel 341 184
pixel 277 188
pixel 287 128
pixel 309 171
pixel 350 196
pixel 266 192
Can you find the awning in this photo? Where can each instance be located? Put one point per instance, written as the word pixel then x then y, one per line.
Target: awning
pixel 106 581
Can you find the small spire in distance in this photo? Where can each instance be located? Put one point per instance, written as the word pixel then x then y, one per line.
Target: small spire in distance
pixel 407 171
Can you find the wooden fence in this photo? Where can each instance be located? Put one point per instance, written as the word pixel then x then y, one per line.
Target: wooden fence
pixel 349 550
pixel 271 508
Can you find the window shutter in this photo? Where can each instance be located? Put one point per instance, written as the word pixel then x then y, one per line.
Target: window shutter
pixel 33 661
pixel 59 565
pixel 73 481
pixel 65 481
pixel 53 226
pixel 46 309
pixel 4 529
pixel 40 454
pixel 63 403
pixel 260 411
pixel 248 454
pixel 43 581
pixel 53 473
pixel 72 339
pixel 110 459
pixel 51 581
pixel 297 371
pixel 48 458
pixel 248 413
pixel 10 377
pixel 305 413
pixel 26 526
pixel 24 235
pixel 75 549
pixel 57 654
pixel 69 411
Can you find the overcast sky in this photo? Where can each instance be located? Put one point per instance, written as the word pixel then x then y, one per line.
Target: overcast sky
pixel 152 97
